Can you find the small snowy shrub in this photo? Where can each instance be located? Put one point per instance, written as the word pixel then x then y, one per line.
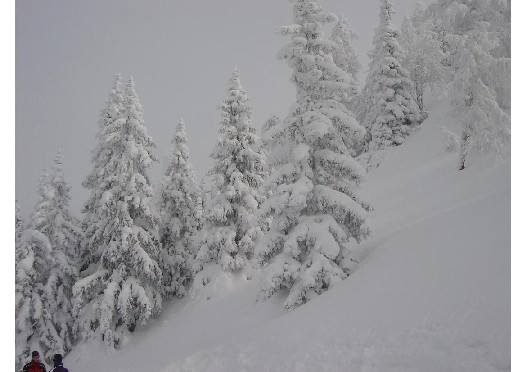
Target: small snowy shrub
pixel 451 140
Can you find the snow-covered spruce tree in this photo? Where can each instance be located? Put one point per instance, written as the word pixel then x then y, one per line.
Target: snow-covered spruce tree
pixel 317 212
pixel 344 54
pixel 54 219
pixel 230 230
pixel 423 55
pixel 476 40
pixel 273 143
pixel 46 272
pixel 125 288
pixel 386 107
pixel 110 122
pixel 32 256
pixel 33 327
pixel 485 126
pixel 267 133
pixel 180 216
pixel 19 231
pixel 487 24
pixel 24 283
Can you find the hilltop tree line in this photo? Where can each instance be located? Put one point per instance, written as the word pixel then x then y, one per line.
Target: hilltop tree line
pixel 286 202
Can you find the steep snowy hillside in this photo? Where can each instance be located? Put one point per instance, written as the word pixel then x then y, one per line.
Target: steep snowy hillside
pixel 432 293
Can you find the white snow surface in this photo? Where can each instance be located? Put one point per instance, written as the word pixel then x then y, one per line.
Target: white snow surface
pixel 432 293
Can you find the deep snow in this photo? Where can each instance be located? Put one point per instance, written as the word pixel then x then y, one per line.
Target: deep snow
pixel 432 293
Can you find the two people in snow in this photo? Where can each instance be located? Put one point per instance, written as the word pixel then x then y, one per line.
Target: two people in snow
pixel 35 365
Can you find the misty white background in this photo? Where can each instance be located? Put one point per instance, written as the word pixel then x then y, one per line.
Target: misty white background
pixel 181 54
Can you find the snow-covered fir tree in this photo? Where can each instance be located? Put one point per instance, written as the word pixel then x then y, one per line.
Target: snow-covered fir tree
pixel 344 54
pixel 317 212
pixel 25 299
pixel 476 35
pixel 33 327
pixel 95 212
pixel 386 107
pixel 272 142
pixel 19 231
pixel 273 145
pixel 230 231
pixel 180 216
pixel 485 126
pixel 125 288
pixel 423 54
pixel 46 271
pixel 485 27
pixel 267 130
pixel 64 234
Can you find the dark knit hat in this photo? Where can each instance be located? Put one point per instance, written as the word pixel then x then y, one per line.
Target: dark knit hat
pixel 57 358
pixel 34 354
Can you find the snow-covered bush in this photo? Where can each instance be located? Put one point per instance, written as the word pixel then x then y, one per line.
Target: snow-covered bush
pixel 371 160
pixel 451 140
pixel 211 282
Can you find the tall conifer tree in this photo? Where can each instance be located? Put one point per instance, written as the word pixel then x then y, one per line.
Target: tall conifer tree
pixel 125 288
pixel 180 216
pixel 95 213
pixel 344 54
pixel 64 234
pixel 476 40
pixel 386 107
pixel 230 230
pixel 33 327
pixel 423 54
pixel 46 271
pixel 485 126
pixel 19 231
pixel 317 213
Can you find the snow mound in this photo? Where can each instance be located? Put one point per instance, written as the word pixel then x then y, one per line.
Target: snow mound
pixel 210 282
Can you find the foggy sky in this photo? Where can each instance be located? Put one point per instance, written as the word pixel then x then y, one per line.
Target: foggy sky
pixel 181 54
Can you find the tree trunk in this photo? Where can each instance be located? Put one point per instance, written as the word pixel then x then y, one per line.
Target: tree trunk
pixel 463 150
pixel 419 95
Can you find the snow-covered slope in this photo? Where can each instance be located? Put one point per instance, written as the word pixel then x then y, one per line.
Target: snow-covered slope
pixel 432 293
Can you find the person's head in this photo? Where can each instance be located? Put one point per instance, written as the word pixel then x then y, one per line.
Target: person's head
pixel 35 356
pixel 57 359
